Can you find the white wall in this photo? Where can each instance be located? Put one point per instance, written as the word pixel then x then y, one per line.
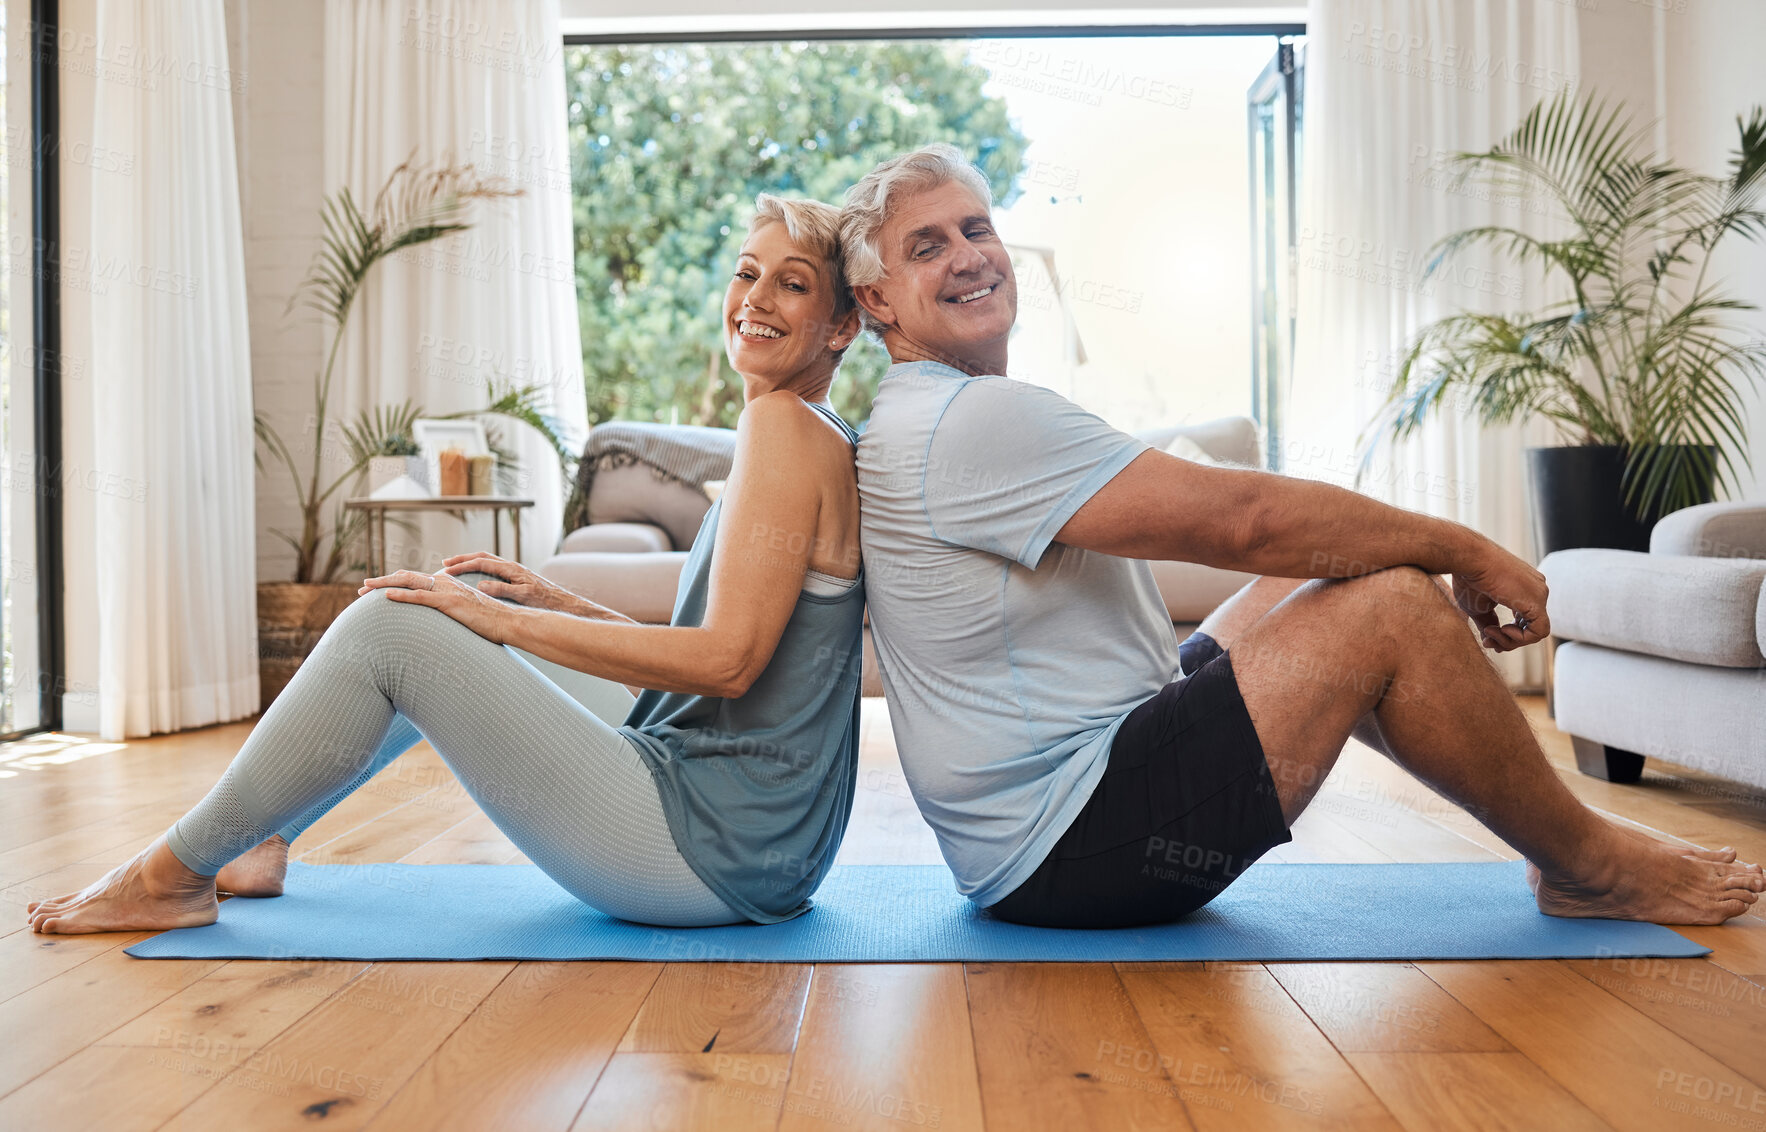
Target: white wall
pixel 1689 67
pixel 279 118
pixel 1712 74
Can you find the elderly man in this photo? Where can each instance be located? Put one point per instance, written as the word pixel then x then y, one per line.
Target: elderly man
pixel 1080 766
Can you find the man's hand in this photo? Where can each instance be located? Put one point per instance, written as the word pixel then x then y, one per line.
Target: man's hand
pixel 480 612
pixel 515 581
pixel 1499 578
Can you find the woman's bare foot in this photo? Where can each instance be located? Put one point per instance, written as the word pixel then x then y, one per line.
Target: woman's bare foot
pixel 1634 876
pixel 153 890
pixel 260 871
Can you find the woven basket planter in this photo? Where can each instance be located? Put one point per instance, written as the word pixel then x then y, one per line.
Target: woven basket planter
pixel 292 616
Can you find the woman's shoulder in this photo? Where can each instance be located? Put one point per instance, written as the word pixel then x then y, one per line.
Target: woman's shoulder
pixel 783 419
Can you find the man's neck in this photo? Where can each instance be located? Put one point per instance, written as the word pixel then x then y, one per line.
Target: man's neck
pixel 982 360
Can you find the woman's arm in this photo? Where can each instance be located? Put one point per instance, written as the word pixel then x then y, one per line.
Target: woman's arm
pixel 785 454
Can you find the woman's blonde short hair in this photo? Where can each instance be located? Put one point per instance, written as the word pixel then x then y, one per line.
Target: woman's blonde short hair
pixel 814 227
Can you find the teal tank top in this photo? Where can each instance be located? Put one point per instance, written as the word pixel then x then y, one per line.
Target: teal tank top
pixel 757 790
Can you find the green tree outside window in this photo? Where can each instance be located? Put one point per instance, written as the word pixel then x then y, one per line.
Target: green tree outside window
pixel 670 143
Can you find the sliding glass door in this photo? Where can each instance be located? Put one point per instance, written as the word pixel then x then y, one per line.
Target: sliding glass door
pixel 18 643
pixel 1275 117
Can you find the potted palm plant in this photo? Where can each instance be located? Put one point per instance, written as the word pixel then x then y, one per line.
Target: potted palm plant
pixel 416 205
pixel 1642 367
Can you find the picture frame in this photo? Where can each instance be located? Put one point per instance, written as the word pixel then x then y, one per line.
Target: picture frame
pixel 434 434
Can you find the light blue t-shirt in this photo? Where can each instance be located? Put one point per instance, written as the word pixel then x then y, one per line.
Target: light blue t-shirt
pixel 1009 660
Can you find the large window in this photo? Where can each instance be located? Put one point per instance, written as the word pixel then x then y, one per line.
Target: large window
pixel 31 370
pixel 1118 165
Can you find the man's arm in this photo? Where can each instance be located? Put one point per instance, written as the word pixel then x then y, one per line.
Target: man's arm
pixel 1163 507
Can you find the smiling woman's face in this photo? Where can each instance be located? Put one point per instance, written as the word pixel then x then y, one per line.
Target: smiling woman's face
pixel 779 310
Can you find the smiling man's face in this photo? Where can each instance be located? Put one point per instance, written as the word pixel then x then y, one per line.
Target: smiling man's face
pixel 948 293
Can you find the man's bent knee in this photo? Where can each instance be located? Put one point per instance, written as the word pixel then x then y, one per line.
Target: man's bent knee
pixel 1399 587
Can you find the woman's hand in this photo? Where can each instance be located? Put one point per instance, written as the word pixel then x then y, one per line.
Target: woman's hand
pixel 480 612
pixel 515 581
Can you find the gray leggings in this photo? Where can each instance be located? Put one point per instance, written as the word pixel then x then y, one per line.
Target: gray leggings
pixel 533 743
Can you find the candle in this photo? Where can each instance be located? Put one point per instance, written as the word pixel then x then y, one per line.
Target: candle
pixel 479 469
pixel 452 463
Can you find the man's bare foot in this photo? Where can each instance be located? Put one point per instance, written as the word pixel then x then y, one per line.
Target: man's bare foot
pixel 260 871
pixel 1634 876
pixel 1725 854
pixel 151 891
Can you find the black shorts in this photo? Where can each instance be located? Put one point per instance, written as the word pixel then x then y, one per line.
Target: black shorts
pixel 1185 805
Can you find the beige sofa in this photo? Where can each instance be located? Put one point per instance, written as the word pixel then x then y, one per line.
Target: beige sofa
pixel 630 557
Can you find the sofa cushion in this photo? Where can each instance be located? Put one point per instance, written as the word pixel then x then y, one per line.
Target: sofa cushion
pixel 1229 439
pixel 630 538
pixel 639 493
pixel 1713 530
pixel 1184 448
pixel 1191 591
pixel 1698 716
pixel 1701 610
pixel 641 586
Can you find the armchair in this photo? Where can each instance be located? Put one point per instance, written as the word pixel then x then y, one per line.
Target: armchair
pixel 1663 654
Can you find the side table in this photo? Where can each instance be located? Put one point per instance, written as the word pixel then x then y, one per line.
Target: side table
pixel 376 510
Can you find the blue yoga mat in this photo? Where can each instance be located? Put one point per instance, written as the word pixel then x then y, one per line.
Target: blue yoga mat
pixel 894 913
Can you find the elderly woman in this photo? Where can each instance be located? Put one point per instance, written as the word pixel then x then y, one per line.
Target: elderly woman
pixel 718 796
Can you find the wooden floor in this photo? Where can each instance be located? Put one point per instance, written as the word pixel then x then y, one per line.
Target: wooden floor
pixel 95 1039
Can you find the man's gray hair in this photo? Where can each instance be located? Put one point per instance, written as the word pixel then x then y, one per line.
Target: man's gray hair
pixel 867 204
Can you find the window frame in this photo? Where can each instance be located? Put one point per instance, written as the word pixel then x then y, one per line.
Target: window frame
pixel 42 35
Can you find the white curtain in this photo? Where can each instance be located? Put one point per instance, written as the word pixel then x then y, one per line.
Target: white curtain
pixel 171 372
pixel 479 81
pixel 1393 88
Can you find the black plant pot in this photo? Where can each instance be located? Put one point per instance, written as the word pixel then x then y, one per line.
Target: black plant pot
pixel 1578 499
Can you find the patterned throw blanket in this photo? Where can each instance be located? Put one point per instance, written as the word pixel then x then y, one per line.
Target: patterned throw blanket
pixel 691 454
